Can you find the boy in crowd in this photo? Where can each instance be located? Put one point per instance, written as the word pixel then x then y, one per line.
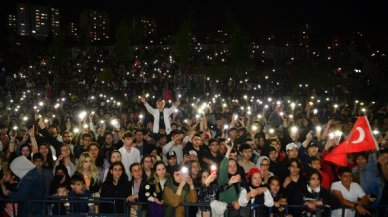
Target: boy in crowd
pixel 78 195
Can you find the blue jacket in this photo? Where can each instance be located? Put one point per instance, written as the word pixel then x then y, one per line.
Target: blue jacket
pixel 31 187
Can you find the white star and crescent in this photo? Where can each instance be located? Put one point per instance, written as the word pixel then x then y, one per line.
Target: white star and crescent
pixel 361 136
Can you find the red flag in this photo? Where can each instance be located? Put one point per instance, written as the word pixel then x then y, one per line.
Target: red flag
pixel 338 155
pixel 361 137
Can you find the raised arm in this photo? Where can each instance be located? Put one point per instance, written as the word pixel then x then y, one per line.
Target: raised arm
pixel 34 144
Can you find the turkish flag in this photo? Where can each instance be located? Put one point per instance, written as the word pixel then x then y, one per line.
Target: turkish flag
pixel 360 139
pixel 338 155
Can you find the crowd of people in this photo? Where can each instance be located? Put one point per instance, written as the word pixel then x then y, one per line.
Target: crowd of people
pixel 235 144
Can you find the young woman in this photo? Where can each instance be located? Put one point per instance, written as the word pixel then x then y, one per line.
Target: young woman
pixel 295 180
pixel 280 199
pixel 147 163
pixel 179 188
pixel 154 189
pixel 255 194
pixel 263 163
pixel 137 186
pixel 66 158
pixel 61 177
pixel 209 189
pixel 115 155
pixel 229 168
pixel 48 161
pixel 88 170
pixel 116 185
pixel 98 157
pixel 312 195
pixel 195 169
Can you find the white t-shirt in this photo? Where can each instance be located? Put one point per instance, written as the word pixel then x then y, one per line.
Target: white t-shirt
pixel 128 158
pixel 353 194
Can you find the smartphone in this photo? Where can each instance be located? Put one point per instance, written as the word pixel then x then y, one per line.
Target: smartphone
pixel 185 171
pixel 213 169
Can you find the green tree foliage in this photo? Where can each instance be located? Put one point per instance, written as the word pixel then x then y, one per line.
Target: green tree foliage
pixel 58 50
pixel 106 75
pixel 123 42
pixel 181 48
pixel 239 52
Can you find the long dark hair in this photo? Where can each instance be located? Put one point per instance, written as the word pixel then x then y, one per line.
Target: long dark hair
pixel 123 177
pixel 49 161
pixel 99 161
pixel 56 181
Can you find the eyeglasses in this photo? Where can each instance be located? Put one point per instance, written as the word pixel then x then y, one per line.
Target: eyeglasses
pixel 264 165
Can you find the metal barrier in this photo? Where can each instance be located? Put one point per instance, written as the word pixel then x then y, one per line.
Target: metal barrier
pixel 143 207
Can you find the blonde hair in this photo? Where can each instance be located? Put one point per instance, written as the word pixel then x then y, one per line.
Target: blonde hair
pixel 93 172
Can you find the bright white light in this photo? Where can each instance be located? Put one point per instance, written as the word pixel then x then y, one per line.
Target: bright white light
pixel 82 115
pixel 76 130
pixel 338 133
pixel 294 129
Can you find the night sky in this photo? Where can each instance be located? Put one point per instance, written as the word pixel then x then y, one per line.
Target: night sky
pixel 255 17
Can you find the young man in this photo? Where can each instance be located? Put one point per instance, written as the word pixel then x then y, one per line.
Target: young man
pixel 246 154
pixel 176 145
pixel 171 162
pixel 129 154
pixel 161 115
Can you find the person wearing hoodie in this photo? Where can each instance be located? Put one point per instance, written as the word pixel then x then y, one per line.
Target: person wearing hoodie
pixel 31 187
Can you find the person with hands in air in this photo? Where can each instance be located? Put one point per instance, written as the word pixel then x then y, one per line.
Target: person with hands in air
pixel 176 145
pixel 161 114
pixel 208 189
pixel 228 169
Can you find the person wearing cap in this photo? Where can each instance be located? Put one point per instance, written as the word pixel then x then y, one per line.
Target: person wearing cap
pixel 291 152
pixel 161 114
pixel 176 145
pixel 171 162
pixel 309 148
pixel 254 193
